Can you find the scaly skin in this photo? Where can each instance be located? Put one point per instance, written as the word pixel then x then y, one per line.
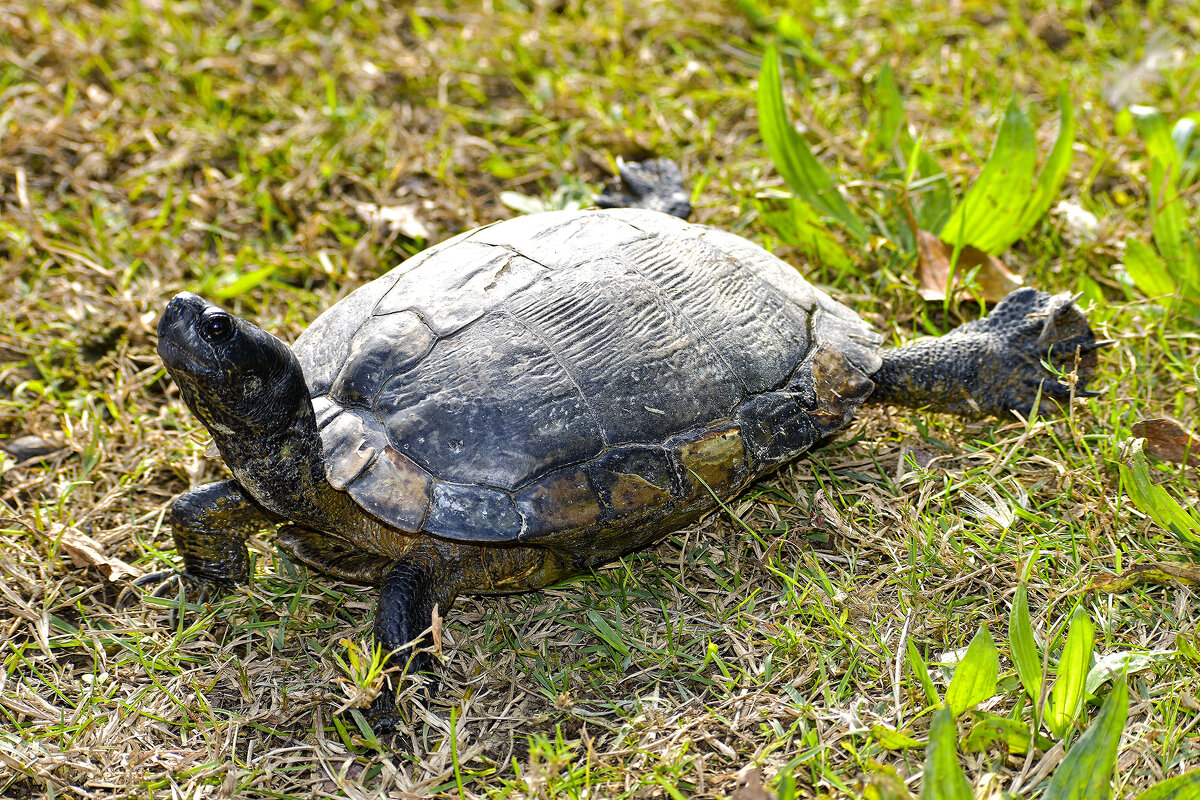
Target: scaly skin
pixel 993 366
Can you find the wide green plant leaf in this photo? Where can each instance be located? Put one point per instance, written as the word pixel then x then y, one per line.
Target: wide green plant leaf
pixel 1054 171
pixel 944 778
pixel 1181 787
pixel 1022 646
pixel 989 212
pixel 792 156
pixel 1005 201
pixel 1174 236
pixel 1153 500
pixel 1066 697
pixel 975 676
pixel 1087 771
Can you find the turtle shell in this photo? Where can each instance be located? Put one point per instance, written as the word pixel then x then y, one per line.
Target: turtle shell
pixel 577 372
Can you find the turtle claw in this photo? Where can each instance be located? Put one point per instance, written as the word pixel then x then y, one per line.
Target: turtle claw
pixel 186 589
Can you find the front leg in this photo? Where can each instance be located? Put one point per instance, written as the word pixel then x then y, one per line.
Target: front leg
pixel 210 525
pixel 411 590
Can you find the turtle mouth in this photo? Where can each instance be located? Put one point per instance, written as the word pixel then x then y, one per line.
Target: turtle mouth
pixel 178 346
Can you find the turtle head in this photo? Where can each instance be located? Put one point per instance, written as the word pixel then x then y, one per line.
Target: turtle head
pixel 241 381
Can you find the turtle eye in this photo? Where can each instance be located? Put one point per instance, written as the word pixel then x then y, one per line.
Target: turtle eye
pixel 216 327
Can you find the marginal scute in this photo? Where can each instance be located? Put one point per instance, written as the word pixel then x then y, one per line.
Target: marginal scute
pixel 324 409
pixel 395 489
pixel 385 346
pixel 839 385
pixel 560 501
pixel 849 335
pixel 634 477
pixel 714 460
pixel 776 427
pixel 350 441
pixel 467 512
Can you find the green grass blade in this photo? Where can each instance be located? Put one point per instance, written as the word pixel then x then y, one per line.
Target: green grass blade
pixel 944 778
pixel 1086 772
pixel 975 677
pixel 1054 171
pixel 1022 647
pixel 792 157
pixel 917 665
pixel 992 209
pixel 1066 698
pixel 1181 787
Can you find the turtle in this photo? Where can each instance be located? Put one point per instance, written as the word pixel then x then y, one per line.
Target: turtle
pixel 537 397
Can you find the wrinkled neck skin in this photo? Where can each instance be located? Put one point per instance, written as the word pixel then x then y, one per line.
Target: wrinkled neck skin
pixel 277 457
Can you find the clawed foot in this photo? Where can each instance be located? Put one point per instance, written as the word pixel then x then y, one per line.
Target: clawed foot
pixel 184 588
pixel 383 715
pixel 1037 340
pixel 656 184
pixel 1007 363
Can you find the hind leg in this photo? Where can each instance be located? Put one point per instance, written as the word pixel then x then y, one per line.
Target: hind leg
pixel 994 366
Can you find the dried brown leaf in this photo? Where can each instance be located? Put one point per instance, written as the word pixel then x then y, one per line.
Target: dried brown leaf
pixel 993 281
pixel 750 785
pixel 87 552
pixel 400 217
pixel 1167 440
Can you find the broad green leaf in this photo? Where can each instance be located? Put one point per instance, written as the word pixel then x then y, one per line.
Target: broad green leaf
pixel 800 227
pixel 1086 772
pixel 917 665
pixel 1021 644
pixel 943 778
pixel 892 739
pixel 975 676
pixel 1187 647
pixel 1173 234
pixel 1147 270
pixel 1013 733
pixel 792 157
pixel 1181 787
pixel 1054 171
pixel 1153 500
pixel 1117 664
pixel 1066 698
pixel 992 208
pixel 242 283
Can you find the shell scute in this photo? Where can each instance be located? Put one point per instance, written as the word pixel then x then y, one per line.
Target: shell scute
pixel 395 488
pixel 468 512
pixel 561 501
pixel 714 461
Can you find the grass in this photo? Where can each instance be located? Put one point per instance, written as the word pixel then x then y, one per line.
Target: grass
pixel 155 146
